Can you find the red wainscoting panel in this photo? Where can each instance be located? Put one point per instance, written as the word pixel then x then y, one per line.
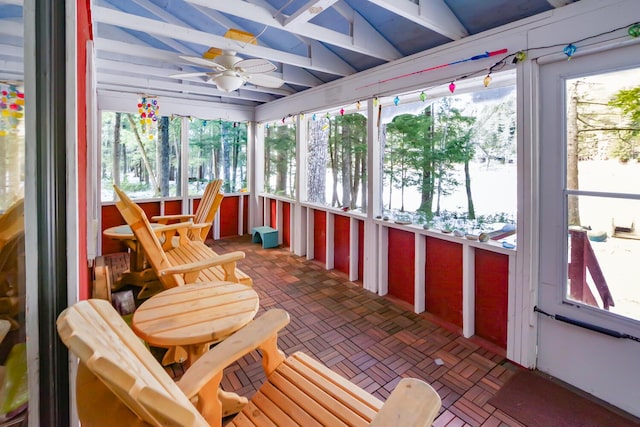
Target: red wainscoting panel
pixel 320 235
pixel 443 280
pixel 173 207
pixel 360 251
pixel 286 225
pixel 492 287
pixel 195 204
pixel 402 253
pixel 273 209
pixel 150 208
pixel 110 218
pixel 341 237
pixel 229 216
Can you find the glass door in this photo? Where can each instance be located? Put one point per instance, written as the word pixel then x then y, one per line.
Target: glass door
pixel 589 295
pixel 13 104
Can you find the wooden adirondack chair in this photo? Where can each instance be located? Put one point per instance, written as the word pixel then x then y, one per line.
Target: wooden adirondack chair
pixel 191 261
pixel 203 217
pixel 121 382
pixel 11 248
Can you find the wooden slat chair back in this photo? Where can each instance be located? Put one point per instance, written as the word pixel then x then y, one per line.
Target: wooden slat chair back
pixel 13 213
pixel 155 254
pixel 203 217
pixel 190 261
pixel 110 352
pixel 11 249
pixel 207 208
pixel 298 391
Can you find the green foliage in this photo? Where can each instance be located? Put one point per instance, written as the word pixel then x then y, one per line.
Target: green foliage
pixel 626 146
pixel 347 158
pixel 216 149
pixel 421 150
pixel 629 102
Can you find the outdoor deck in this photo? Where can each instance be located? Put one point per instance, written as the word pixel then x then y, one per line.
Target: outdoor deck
pixel 371 340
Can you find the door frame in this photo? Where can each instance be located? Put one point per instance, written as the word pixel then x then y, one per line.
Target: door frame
pixel 594 362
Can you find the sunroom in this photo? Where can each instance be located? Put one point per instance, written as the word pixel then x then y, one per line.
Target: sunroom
pixel 473 166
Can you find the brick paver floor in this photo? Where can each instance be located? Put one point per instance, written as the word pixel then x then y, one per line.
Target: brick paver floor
pixel 371 340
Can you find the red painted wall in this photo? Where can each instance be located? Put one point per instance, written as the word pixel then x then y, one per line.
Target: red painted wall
pixel 401 259
pixel 492 286
pixel 110 218
pixel 444 280
pixel 196 203
pixel 273 209
pixel 286 225
pixel 320 235
pixel 229 216
pixel 149 208
pixel 173 207
pixel 341 237
pixel 84 33
pixel 360 251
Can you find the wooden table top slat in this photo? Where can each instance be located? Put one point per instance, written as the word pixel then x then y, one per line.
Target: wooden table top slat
pixel 195 314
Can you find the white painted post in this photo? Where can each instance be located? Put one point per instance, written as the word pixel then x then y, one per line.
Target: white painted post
pixel 371 240
pixel 419 279
pixel 468 291
pixel 310 226
pixel 240 214
pixel 279 220
pixel 255 172
pixel 354 232
pixel 383 257
pixel 330 234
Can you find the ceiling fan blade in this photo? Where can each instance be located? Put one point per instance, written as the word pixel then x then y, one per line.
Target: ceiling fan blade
pixel 255 66
pixel 263 80
pixel 203 62
pixel 187 75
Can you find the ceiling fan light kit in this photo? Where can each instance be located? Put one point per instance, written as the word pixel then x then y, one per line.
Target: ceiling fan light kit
pixel 230 71
pixel 228 81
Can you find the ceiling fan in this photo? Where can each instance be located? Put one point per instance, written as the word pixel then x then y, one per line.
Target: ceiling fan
pixel 230 72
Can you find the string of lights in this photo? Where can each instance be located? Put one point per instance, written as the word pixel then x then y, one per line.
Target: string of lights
pixel 568 49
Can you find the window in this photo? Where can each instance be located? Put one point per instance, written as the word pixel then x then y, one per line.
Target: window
pixel 337 153
pixel 450 161
pixel 217 149
pixel 142 160
pixel 280 159
pixel 601 192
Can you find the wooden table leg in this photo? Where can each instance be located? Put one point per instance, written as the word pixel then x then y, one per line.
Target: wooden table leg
pixel 174 355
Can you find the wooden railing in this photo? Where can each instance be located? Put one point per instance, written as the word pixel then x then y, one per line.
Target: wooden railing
pixel 583 260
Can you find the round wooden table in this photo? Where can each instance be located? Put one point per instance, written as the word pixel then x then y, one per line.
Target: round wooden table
pixel 194 316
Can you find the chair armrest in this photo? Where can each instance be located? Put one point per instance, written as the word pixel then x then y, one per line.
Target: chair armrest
pixel 164 219
pixel 260 333
pixel 199 225
pixel 192 267
pixel 170 227
pixel 413 403
pixel 166 232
